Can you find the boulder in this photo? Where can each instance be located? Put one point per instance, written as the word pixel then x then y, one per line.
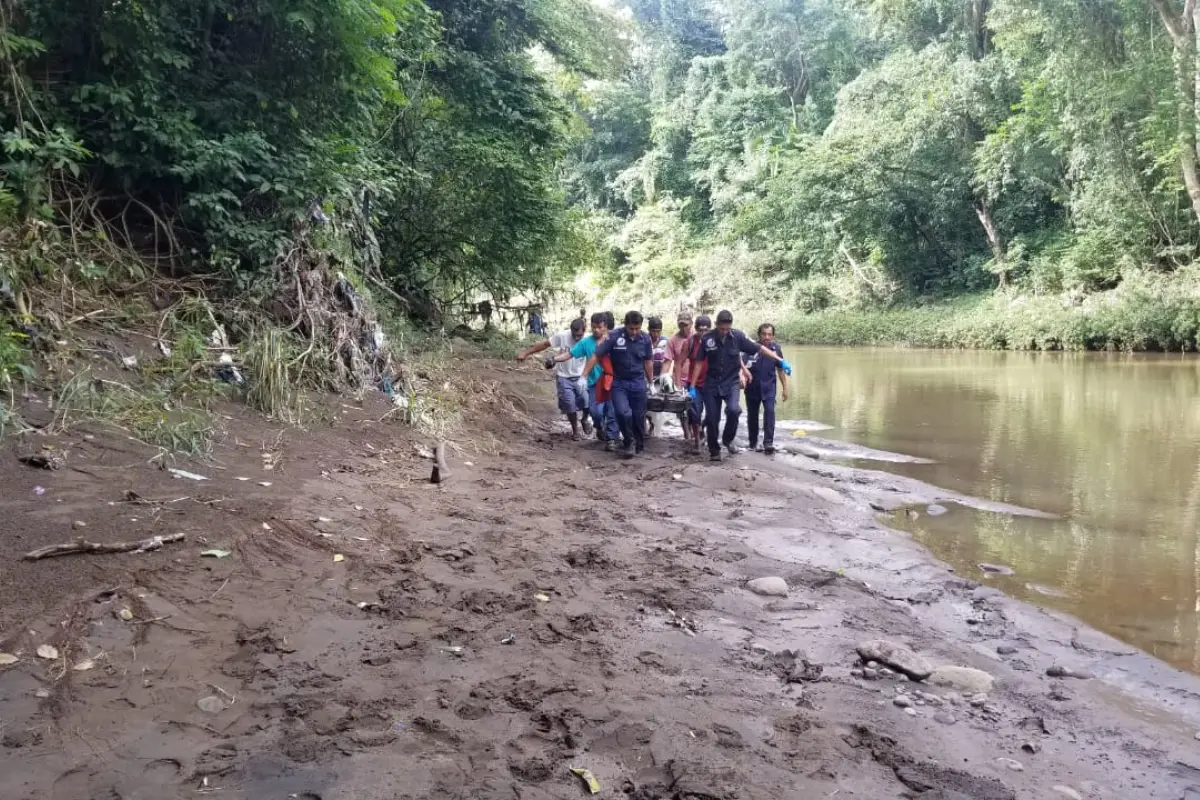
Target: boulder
pixel 963 679
pixel 770 587
pixel 896 656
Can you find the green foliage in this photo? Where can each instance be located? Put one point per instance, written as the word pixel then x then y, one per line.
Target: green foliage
pixel 205 135
pixel 860 155
pixel 14 357
pixel 1147 313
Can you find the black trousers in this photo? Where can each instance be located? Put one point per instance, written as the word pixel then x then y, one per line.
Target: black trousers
pixel 753 403
pixel 714 396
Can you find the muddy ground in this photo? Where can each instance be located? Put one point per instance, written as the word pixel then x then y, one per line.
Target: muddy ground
pixel 547 608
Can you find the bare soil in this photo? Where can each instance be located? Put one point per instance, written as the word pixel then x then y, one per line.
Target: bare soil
pixel 547 608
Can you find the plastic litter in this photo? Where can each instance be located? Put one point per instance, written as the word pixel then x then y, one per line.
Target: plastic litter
pixel 589 780
pixel 542 598
pixel 215 553
pixel 48 651
pixel 338 558
pixel 8 659
pixel 182 473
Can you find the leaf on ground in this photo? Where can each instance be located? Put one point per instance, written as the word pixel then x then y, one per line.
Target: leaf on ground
pixel 47 651
pixel 589 780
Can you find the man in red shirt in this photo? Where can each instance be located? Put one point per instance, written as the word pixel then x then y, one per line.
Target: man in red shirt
pixel 676 361
pixel 683 376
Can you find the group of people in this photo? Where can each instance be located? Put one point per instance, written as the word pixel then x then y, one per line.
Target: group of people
pixel 604 380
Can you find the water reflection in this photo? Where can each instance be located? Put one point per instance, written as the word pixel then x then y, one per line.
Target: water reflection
pixel 1109 442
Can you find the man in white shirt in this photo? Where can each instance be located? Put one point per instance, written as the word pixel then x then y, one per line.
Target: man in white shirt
pixel 572 384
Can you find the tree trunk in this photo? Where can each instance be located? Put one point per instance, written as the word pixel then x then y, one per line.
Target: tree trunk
pixel 995 241
pixel 1182 29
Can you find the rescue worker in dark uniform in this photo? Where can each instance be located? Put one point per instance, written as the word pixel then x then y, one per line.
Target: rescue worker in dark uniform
pixel 721 350
pixel 632 355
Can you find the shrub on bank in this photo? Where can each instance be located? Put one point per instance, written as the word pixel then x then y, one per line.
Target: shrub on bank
pixel 1143 315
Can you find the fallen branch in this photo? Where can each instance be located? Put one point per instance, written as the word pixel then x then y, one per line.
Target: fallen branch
pixel 80 546
pixel 441 472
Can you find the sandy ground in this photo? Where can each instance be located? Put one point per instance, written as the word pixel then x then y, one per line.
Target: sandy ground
pixel 547 608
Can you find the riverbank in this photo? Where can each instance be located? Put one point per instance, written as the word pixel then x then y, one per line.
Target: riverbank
pixel 1148 316
pixel 370 635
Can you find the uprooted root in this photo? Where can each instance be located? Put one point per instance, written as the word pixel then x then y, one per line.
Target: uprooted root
pixel 345 345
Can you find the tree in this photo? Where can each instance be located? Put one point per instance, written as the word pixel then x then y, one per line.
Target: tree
pixel 1181 25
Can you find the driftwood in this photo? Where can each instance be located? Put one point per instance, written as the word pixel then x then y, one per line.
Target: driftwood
pixel 80 546
pixel 441 472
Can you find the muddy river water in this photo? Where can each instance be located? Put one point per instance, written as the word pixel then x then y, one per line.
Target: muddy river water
pixel 1108 443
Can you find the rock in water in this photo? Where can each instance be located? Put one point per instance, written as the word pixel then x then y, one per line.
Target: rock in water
pixel 964 679
pixel 771 587
pixel 935 510
pixel 1058 671
pixel 996 569
pixel 896 656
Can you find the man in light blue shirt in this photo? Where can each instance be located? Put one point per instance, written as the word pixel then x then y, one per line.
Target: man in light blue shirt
pixel 602 413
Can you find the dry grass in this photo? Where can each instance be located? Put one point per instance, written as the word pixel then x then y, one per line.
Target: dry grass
pixel 276 371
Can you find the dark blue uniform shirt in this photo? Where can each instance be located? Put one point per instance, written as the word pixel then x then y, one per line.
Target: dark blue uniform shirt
pixel 629 354
pixel 724 356
pixel 763 375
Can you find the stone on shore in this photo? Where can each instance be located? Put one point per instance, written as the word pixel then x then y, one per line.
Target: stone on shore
pixel 896 656
pixel 1058 671
pixel 769 587
pixel 963 679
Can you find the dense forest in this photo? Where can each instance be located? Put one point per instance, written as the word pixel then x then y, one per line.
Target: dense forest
pixel 423 137
pixel 993 173
pixel 1038 157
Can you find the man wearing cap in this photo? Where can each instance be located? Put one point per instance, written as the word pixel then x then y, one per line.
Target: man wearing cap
pixel 675 359
pixel 632 355
pixel 720 352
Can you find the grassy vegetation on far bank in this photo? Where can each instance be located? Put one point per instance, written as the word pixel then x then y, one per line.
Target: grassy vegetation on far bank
pixel 1146 318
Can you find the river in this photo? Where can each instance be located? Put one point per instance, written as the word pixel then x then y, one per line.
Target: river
pixel 1108 443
